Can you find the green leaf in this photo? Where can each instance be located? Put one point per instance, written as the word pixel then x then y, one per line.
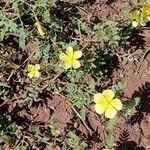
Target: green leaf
pixel 53 127
pixel 21 147
pixel 109 142
pixel 5 138
pixel 75 142
pixel 4 85
pixel 111 123
pixel 22 37
pixel 2 33
pixel 92 85
pixel 46 16
pixel 119 87
pixel 12 26
pixel 132 103
pixel 82 113
pixel 64 147
pixel 130 106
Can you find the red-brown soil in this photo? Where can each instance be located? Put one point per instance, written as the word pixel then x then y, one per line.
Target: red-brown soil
pixel 136 75
pixel 132 135
pixel 128 135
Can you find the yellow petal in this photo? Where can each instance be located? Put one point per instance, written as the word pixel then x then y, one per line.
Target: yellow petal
pixel 148 18
pixel 99 98
pixel 143 23
pixel 108 94
pixel 39 28
pixel 37 66
pixel 116 103
pixel 30 67
pixel 63 57
pixel 69 51
pixel 30 74
pixel 76 64
pixel 37 74
pixel 100 108
pixel 67 65
pixel 77 54
pixel 110 112
pixel 135 15
pixel 135 24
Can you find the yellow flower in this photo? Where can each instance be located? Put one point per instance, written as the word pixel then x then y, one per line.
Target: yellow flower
pixel 136 18
pixel 33 70
pixel 70 58
pixel 39 28
pixel 140 17
pixel 146 12
pixel 106 103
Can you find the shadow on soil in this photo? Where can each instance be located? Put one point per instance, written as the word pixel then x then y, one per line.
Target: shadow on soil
pixel 104 63
pixel 109 2
pixel 144 106
pixel 125 144
pixel 89 2
pixel 90 139
pixel 64 14
pixel 137 40
pixel 130 145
